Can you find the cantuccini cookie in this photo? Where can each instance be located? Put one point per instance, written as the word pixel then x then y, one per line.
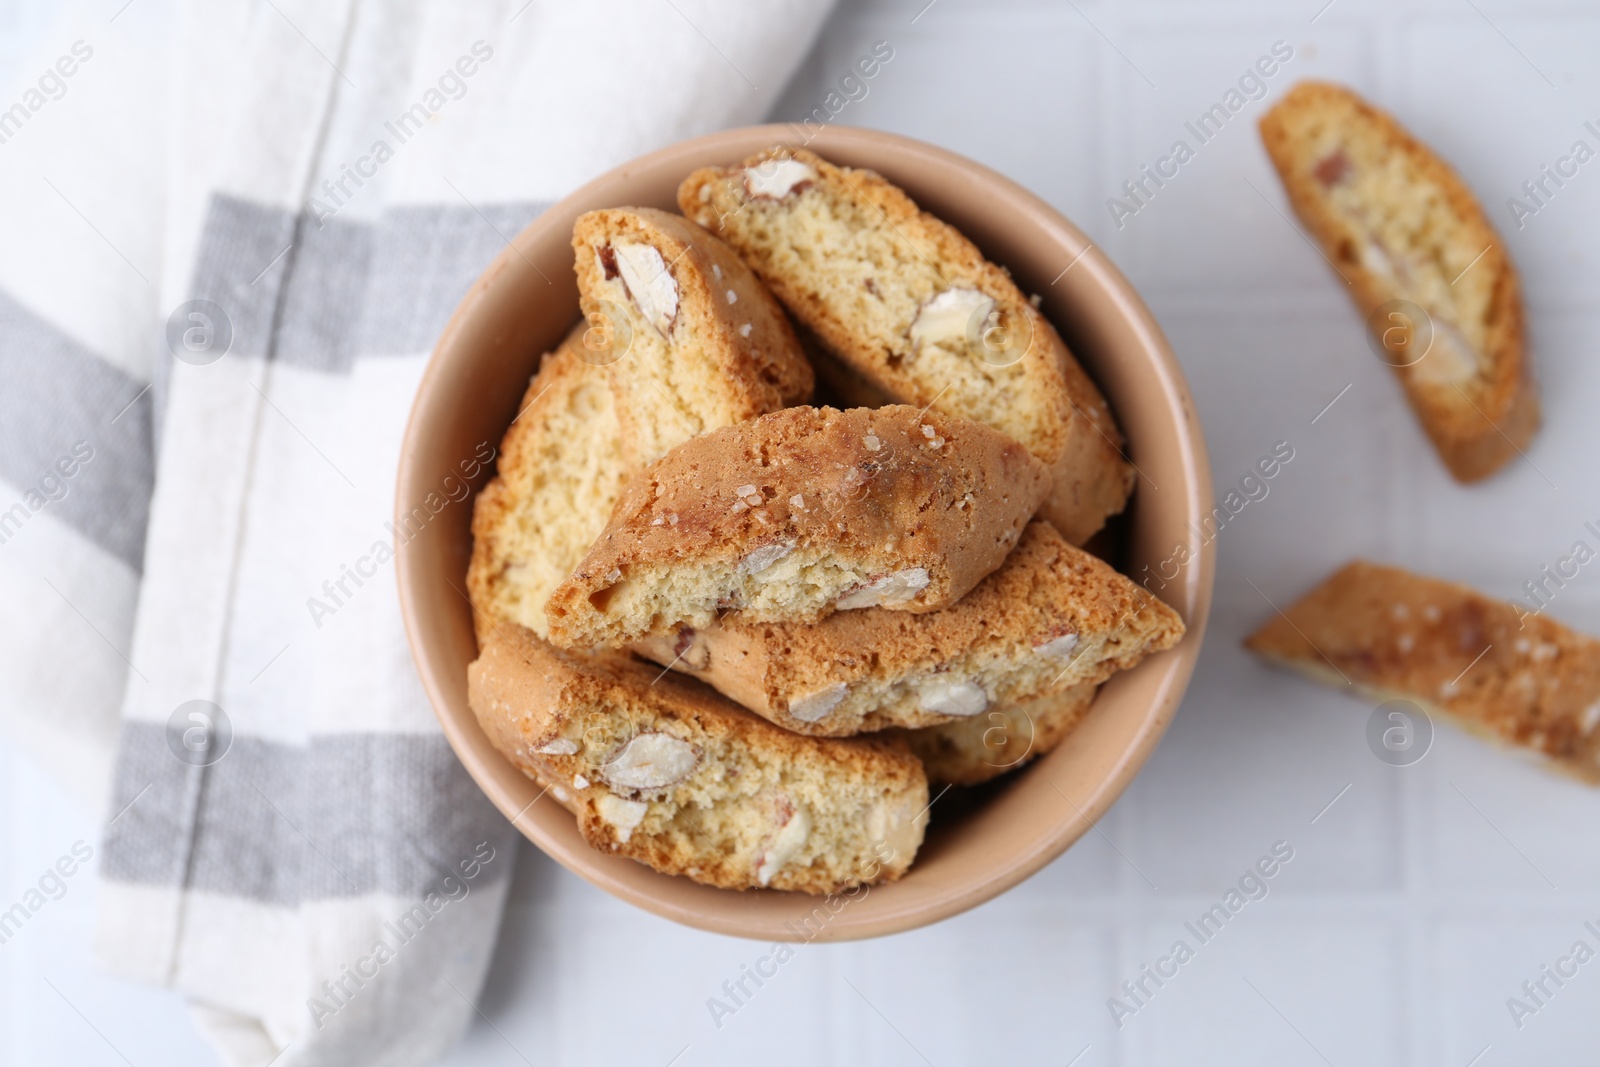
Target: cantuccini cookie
pixel 1499 671
pixel 909 304
pixel 669 773
pixel 696 341
pixel 560 472
pixel 1050 618
pixel 799 514
pixel 1403 229
pixel 969 751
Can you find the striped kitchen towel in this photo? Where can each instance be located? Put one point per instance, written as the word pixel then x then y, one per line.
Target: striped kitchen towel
pixel 235 228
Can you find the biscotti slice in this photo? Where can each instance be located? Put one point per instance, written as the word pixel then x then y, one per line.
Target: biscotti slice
pixel 969 751
pixel 696 341
pixel 1051 617
pixel 1399 225
pixel 561 470
pixel 1490 667
pixel 670 774
pixel 910 304
pixel 799 514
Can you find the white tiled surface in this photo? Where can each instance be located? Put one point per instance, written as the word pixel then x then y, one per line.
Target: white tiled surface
pixel 1418 902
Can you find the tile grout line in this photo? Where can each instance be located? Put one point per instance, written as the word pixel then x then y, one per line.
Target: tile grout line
pixel 1133 911
pixel 1418 964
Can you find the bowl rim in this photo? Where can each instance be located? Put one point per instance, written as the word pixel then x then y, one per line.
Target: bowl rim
pixel 1176 665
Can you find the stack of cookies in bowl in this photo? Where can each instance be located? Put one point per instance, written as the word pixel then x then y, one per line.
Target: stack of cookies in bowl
pixel 787 530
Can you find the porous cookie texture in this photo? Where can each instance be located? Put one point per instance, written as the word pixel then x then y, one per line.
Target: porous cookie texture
pixel 908 304
pixel 1052 617
pixel 560 473
pixel 668 773
pixel 1497 670
pixel 969 751
pixel 694 339
pixel 1399 224
pixel 799 514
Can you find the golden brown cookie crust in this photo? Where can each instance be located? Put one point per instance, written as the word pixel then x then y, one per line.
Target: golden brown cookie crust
pixel 856 261
pixel 1486 665
pixel 726 355
pixel 798 513
pixel 1398 223
pixel 1050 618
pixel 854 810
pixel 1002 739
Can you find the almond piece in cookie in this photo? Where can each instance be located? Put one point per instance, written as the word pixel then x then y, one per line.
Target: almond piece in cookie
pixel 561 470
pixel 906 302
pixel 696 341
pixel 1050 618
pixel 1493 668
pixel 969 751
pixel 1399 224
pixel 668 773
pixel 799 514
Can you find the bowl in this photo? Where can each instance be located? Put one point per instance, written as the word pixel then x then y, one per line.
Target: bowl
pixel 525 302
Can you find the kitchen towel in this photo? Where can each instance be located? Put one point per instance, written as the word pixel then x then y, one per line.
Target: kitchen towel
pixel 238 228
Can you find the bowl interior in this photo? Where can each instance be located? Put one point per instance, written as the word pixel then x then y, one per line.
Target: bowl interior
pixel 525 302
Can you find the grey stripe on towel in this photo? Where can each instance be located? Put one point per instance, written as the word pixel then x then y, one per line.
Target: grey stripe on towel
pixel 54 395
pixel 345 815
pixel 424 259
pixel 353 288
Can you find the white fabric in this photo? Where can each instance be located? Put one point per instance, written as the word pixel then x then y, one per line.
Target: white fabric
pixel 273 467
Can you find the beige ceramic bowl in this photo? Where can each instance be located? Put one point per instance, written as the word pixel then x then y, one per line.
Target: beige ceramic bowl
pixel 527 300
